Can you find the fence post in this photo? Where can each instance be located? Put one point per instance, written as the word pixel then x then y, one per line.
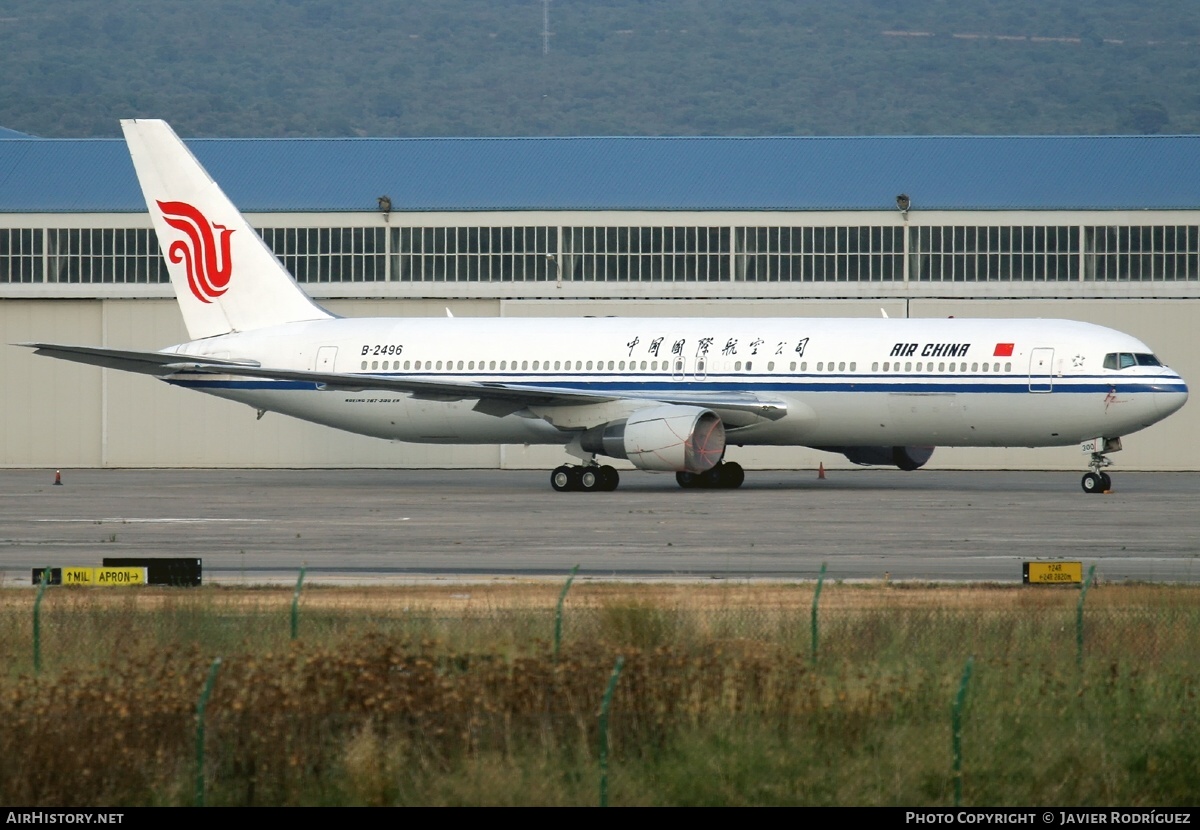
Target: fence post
pixel 296 604
pixel 956 729
pixel 37 621
pixel 816 596
pixel 201 705
pixel 1079 618
pixel 604 706
pixel 558 611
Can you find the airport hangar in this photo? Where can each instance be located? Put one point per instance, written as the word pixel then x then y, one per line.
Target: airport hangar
pixel 1103 229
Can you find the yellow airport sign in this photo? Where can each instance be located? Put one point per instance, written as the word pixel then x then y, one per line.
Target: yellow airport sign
pixel 1053 573
pixel 104 576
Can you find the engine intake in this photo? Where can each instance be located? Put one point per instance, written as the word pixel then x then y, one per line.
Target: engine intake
pixel 686 439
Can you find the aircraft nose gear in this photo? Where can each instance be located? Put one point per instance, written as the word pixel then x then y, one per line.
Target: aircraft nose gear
pixel 1097 481
pixel 589 479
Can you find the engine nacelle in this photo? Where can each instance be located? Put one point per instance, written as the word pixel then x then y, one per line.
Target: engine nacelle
pixel 906 458
pixel 664 438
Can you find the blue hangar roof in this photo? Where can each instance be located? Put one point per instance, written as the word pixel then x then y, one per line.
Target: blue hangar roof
pixel 630 173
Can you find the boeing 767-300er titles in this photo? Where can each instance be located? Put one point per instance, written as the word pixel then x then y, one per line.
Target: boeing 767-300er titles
pixel 665 394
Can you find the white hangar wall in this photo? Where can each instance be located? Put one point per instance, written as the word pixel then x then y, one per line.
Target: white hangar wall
pixel 57 414
pixel 96 279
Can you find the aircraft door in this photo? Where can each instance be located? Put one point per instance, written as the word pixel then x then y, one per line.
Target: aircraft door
pixel 1041 378
pixel 326 358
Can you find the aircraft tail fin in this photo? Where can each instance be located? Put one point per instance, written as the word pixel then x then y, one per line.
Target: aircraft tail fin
pixel 225 277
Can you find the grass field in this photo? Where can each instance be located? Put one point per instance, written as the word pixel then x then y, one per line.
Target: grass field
pixel 455 695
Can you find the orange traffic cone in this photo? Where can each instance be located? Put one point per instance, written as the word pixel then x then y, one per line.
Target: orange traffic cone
pixel 58 477
pixel 821 470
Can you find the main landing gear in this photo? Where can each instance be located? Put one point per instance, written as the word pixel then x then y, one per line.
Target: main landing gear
pixel 727 475
pixel 589 479
pixel 601 478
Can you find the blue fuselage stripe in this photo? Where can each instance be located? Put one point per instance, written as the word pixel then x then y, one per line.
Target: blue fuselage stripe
pixel 633 384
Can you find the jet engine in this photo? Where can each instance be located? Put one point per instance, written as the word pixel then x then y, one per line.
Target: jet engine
pixel 906 458
pixel 664 438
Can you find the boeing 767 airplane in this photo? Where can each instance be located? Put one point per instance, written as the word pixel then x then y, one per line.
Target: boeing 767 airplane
pixel 667 395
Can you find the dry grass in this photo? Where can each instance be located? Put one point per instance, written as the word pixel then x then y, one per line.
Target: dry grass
pixel 450 694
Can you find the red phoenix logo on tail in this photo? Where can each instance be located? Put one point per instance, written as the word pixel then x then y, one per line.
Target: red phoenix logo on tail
pixel 207 271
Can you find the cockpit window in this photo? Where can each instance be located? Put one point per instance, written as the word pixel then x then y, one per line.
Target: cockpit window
pixel 1124 360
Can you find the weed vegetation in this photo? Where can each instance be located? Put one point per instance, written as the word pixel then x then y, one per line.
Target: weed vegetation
pixel 454 696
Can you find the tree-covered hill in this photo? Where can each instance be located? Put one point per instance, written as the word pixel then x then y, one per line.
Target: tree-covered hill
pixel 627 67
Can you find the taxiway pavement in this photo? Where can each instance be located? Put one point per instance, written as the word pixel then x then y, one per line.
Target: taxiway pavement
pixel 352 526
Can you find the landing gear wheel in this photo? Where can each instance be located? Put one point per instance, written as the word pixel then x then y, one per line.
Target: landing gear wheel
pixel 588 478
pixel 727 475
pixel 732 475
pixel 563 479
pixel 1097 481
pixel 609 479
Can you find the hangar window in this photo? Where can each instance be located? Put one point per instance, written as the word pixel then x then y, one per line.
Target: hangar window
pixel 474 254
pixel 22 256
pixel 1140 253
pixel 969 253
pixel 316 255
pixel 89 255
pixel 851 253
pixel 646 254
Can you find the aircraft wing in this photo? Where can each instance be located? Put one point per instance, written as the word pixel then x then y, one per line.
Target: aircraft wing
pixel 159 364
pixel 504 397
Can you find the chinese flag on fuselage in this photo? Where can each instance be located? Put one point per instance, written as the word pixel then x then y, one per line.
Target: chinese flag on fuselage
pixel 1003 350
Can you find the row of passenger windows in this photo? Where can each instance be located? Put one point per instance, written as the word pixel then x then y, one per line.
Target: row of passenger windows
pixel 663 366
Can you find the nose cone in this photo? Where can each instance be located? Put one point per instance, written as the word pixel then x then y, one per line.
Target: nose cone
pixel 1172 397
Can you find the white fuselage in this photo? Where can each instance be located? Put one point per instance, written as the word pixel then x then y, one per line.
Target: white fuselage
pixel 845 382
